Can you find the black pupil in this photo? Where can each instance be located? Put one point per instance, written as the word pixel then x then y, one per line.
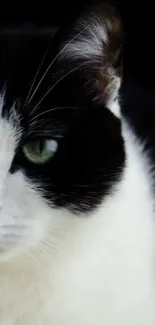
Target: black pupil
pixel 41 145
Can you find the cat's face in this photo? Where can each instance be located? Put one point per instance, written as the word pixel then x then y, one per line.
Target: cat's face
pixel 61 149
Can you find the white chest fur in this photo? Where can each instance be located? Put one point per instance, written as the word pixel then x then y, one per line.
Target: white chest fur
pixel 104 272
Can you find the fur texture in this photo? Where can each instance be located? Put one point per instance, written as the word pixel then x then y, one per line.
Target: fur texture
pixel 76 233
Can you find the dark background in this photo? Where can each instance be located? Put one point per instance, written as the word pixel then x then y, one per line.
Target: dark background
pixel 138 90
pixel 138 18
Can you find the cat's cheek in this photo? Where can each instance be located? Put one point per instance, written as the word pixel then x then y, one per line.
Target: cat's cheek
pixel 25 217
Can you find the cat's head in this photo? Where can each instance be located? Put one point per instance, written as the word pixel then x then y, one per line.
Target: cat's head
pixel 61 149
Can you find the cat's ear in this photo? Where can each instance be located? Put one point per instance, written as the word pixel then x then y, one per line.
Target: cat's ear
pixel 97 43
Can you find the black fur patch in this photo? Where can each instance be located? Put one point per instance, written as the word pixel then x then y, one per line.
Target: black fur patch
pixel 90 158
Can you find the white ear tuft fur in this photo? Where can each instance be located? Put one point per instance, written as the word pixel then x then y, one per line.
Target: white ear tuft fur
pixel 96 42
pixel 88 44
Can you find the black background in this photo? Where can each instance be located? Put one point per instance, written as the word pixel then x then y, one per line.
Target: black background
pixel 138 19
pixel 138 90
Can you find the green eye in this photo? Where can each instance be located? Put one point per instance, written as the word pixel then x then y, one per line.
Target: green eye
pixel 40 151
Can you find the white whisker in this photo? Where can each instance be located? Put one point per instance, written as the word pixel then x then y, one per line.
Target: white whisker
pixel 56 83
pixel 51 64
pixel 48 252
pixel 58 232
pixel 53 109
pixel 27 100
pixel 32 258
pixel 53 244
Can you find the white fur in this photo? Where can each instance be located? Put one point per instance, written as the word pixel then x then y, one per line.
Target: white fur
pixel 60 269
pixel 89 41
pixel 90 44
pixel 114 107
pixel 113 97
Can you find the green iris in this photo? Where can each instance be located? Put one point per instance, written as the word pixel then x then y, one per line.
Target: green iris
pixel 40 151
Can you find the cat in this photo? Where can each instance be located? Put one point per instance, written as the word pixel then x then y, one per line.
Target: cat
pixel 76 190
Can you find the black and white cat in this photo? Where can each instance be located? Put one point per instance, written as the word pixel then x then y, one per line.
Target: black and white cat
pixel 76 198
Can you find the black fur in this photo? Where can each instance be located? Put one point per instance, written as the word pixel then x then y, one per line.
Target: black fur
pixel 91 156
